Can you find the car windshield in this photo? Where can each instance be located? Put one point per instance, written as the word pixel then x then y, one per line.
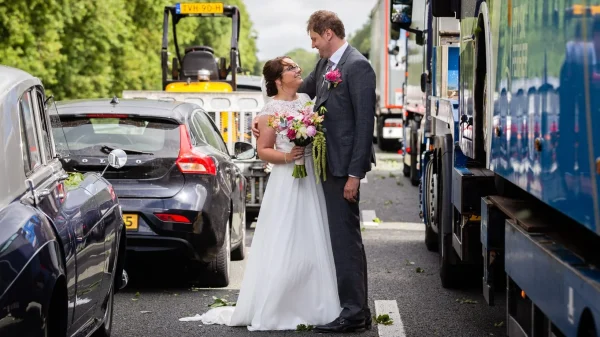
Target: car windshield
pixel 139 135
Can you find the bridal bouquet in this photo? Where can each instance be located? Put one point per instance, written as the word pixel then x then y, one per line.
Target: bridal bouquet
pixel 303 127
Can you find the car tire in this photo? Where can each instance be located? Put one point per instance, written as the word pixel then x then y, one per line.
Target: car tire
pixel 239 254
pixel 105 328
pixel 218 270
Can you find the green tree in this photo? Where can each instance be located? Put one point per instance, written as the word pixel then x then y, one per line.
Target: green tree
pixel 305 59
pixel 87 49
pixel 361 39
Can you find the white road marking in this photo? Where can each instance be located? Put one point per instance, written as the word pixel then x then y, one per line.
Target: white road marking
pixel 390 308
pixel 405 226
pixel 367 217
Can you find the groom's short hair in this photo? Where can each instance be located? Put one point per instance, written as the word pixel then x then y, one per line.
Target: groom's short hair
pixel 322 20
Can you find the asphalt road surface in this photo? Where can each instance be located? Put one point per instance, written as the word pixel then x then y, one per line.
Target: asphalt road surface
pixel 403 279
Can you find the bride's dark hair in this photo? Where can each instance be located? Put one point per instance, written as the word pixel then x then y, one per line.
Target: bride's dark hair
pixel 272 70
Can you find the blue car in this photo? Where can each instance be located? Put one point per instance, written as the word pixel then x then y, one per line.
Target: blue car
pixel 62 236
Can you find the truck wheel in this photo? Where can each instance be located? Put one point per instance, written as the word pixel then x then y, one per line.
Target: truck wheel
pixel 431 240
pixel 414 154
pixel 449 270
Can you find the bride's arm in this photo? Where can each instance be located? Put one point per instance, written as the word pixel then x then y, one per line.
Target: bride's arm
pixel 266 142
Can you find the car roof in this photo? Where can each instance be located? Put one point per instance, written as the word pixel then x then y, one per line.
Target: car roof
pixel 178 111
pixel 10 77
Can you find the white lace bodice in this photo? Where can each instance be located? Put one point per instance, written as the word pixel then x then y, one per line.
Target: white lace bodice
pixel 282 142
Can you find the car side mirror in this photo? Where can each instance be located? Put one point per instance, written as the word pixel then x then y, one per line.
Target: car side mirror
pixel 117 158
pixel 243 151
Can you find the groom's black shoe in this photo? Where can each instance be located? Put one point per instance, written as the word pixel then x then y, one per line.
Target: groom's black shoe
pixel 342 325
pixel 368 322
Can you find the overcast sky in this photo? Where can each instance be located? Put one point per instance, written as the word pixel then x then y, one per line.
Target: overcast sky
pixel 281 24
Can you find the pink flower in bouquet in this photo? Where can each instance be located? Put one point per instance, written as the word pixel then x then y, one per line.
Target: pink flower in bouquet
pixel 311 131
pixel 291 134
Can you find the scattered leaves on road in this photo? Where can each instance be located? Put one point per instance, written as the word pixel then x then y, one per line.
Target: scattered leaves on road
pixel 392 175
pixel 420 270
pixel 363 228
pixel 376 220
pixel 409 263
pixel 137 296
pixel 221 302
pixel 387 202
pixel 465 301
pixel 399 182
pixel 384 319
pixel 499 324
pixel 304 327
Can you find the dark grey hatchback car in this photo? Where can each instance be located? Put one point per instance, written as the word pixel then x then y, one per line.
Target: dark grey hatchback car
pixel 181 194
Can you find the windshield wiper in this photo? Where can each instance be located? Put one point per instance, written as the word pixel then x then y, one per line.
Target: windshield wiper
pixel 107 149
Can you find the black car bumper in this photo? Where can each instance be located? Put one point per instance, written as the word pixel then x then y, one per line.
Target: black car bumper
pixel 198 240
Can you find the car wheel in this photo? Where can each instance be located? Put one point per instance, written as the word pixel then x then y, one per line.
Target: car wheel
pixel 218 269
pixel 239 253
pixel 105 329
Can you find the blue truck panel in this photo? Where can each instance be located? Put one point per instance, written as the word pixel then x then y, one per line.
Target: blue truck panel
pixel 538 87
pixel 559 282
pixel 546 114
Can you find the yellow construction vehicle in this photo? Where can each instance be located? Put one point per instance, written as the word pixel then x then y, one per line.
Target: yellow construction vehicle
pixel 198 70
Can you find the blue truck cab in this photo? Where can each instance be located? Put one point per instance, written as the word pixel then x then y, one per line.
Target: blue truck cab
pixel 510 174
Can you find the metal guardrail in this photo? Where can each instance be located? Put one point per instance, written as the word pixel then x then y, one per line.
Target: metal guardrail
pixel 229 111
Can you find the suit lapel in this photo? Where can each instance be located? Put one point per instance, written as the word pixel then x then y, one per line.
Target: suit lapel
pixel 324 91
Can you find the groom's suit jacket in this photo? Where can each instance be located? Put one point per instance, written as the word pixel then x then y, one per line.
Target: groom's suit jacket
pixel 350 115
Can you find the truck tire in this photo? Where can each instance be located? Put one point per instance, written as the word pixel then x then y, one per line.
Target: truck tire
pixel 450 270
pixel 431 239
pixel 414 154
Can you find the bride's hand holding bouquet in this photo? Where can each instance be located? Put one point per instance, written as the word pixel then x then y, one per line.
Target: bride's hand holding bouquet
pixel 303 127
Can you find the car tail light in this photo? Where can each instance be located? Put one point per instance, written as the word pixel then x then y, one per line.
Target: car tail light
pixel 190 161
pixel 408 150
pixel 111 190
pixel 60 188
pixel 392 125
pixel 166 217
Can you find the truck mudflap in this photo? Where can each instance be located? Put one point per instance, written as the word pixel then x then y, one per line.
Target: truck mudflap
pixel 552 285
pixel 232 113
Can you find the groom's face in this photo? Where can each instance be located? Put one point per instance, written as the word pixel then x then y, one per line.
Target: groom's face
pixel 321 42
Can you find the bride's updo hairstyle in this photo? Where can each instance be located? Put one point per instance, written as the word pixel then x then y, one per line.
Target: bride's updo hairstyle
pixel 271 72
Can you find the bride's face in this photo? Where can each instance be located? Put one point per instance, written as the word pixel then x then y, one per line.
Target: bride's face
pixel 291 77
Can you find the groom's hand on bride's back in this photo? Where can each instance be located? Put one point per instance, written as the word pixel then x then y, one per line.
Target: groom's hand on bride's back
pixel 255 131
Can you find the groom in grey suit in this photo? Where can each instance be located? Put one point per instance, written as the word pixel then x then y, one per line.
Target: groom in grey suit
pixel 348 127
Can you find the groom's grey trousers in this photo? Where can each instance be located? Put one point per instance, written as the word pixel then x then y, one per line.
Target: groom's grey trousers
pixel 348 250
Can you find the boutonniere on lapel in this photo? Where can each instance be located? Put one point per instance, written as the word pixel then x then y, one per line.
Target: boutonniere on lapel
pixel 333 77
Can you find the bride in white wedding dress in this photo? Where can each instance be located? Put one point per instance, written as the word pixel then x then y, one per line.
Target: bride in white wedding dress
pixel 290 275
